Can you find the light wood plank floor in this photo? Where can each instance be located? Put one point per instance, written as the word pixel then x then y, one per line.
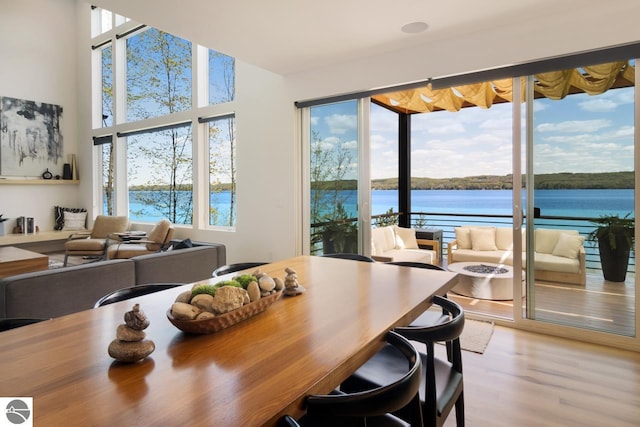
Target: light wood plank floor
pixel 600 305
pixel 527 379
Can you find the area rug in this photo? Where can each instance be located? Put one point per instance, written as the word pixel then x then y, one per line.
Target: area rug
pixel 476 335
pixel 55 264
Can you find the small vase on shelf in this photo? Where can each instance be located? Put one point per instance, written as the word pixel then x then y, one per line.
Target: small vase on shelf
pixel 74 167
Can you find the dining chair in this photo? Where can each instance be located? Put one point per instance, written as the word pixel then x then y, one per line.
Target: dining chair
pixel 157 239
pixel 442 381
pixel 288 421
pixel 132 292
pixel 430 316
pixel 417 265
pixel 16 322
pixel 95 242
pixel 232 268
pixel 355 257
pixel 373 406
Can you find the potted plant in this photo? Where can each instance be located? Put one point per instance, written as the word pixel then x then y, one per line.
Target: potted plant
pixel 615 237
pixel 339 233
pixel 2 220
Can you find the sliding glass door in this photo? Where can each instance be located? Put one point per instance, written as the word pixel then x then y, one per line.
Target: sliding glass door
pixel 333 178
pixel 581 131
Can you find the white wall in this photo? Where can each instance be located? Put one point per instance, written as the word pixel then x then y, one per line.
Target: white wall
pixel 267 159
pixel 39 64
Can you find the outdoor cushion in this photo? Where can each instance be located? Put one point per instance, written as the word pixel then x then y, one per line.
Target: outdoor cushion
pixel 463 237
pixel 405 238
pixel 558 264
pixel 568 245
pixel 546 239
pixel 483 239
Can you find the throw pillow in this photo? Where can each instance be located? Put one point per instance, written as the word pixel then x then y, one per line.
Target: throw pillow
pixel 568 246
pixel 405 238
pixel 58 215
pixel 463 237
pixel 74 220
pixel 186 243
pixel 483 239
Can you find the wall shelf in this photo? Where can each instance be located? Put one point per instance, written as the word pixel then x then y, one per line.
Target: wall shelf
pixel 18 181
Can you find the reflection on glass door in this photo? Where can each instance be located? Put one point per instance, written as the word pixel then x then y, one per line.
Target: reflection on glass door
pixel 334 178
pixel 583 169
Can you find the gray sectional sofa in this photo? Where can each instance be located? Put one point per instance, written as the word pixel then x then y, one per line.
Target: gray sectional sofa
pixel 53 293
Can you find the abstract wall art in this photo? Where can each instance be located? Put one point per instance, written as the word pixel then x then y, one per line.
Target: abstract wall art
pixel 30 137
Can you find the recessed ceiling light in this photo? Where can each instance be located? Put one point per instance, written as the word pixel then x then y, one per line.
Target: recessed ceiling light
pixel 414 27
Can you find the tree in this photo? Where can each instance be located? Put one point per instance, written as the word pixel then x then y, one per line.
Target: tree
pixel 108 160
pixel 222 139
pixel 329 192
pixel 159 82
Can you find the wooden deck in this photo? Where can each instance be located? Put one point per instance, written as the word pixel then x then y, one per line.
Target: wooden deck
pixel 600 305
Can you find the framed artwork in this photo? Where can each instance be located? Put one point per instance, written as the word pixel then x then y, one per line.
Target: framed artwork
pixel 30 138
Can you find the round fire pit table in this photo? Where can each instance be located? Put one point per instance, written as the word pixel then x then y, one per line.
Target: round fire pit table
pixel 484 280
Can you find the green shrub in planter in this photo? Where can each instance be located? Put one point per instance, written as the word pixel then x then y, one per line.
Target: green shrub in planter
pixel 616 238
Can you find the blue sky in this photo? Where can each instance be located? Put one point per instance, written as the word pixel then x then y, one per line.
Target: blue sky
pixel 580 133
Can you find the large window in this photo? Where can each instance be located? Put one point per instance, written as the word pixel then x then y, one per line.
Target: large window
pixel 221 78
pixel 160 175
pixel 147 80
pixel 107 86
pixel 222 171
pixel 158 75
pixel 333 178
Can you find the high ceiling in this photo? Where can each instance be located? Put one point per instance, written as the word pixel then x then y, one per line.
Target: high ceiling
pixel 290 36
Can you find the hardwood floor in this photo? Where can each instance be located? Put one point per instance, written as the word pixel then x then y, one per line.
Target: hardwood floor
pixel 599 305
pixel 528 379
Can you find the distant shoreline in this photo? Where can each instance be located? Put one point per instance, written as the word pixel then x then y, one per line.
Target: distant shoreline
pixel 555 181
pixel 564 181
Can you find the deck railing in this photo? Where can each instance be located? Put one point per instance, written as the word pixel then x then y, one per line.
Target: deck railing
pixel 448 221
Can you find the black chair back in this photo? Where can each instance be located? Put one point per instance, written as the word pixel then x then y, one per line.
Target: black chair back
pixel 16 322
pixel 442 381
pixel 341 408
pixel 417 265
pixel 354 257
pixel 232 268
pixel 134 291
pixel 449 330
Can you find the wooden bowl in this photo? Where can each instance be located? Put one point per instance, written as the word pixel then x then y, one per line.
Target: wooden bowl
pixel 215 324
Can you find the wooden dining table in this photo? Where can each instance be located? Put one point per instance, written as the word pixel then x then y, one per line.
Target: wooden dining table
pixel 249 374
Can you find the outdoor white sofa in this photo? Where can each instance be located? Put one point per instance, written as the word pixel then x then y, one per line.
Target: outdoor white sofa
pixel 559 254
pixel 393 243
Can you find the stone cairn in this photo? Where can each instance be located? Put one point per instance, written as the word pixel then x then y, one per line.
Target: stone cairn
pixel 291 285
pixel 130 344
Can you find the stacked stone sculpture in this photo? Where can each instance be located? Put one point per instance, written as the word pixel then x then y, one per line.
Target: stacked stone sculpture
pixel 130 344
pixel 291 285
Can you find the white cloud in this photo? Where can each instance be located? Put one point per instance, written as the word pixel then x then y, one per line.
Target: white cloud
pixel 350 145
pixel 341 123
pixel 598 105
pixel 574 126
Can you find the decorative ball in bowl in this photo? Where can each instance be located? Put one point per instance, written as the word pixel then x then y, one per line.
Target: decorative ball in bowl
pixel 209 308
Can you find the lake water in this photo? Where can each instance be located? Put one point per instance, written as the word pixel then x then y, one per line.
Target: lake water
pixel 574 203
